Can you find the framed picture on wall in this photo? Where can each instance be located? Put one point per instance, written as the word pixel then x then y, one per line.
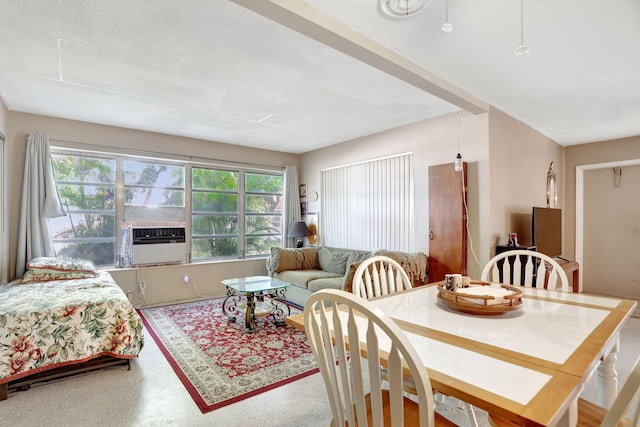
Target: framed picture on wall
pixel 303 208
pixel 303 190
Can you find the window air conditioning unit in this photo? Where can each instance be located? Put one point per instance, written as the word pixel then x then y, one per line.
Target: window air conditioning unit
pixel 158 245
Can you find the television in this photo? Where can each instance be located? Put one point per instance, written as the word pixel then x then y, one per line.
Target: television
pixel 546 231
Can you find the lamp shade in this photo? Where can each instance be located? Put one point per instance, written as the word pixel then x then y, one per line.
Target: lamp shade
pixel 299 229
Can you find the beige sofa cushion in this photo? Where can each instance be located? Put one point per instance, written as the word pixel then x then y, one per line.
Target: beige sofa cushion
pixel 302 278
pixel 326 283
pixel 283 259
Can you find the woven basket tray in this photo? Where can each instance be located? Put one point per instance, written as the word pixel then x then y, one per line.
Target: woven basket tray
pixel 486 305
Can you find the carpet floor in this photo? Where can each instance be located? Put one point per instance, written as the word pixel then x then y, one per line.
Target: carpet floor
pixel 217 361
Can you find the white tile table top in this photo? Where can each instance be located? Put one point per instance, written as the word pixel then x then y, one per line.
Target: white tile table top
pixel 520 355
pixel 547 330
pixel 500 377
pixel 530 362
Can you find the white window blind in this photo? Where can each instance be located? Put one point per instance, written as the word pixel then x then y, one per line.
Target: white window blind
pixel 369 205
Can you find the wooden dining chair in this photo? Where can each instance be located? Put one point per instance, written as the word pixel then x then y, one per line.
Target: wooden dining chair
pixel 592 415
pixel 526 268
pixel 342 329
pixel 379 275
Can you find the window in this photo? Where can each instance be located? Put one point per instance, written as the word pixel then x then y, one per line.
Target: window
pixel 263 212
pixel 215 213
pixel 218 205
pixel 87 187
pixel 153 184
pixel 235 213
pixel 369 205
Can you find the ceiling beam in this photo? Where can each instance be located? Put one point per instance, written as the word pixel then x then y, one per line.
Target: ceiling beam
pixel 306 20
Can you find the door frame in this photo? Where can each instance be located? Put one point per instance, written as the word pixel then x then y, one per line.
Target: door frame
pixel 580 190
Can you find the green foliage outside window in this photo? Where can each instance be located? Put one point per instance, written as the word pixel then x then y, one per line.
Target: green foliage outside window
pixel 235 213
pixel 216 212
pixel 86 186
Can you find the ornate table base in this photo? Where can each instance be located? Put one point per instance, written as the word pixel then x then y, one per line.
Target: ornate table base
pixel 256 304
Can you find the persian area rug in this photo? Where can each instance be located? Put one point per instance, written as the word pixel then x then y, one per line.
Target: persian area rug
pixel 217 361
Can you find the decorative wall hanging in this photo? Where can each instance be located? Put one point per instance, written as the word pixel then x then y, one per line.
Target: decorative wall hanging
pixel 552 189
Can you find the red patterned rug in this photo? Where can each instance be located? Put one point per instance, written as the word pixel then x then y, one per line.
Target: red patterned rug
pixel 217 361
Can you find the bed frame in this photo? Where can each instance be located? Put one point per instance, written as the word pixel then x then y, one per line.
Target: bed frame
pixel 24 383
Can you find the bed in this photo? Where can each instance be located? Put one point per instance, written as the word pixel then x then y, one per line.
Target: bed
pixel 63 317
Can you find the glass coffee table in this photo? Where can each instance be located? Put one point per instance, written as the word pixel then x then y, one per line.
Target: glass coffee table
pixel 246 297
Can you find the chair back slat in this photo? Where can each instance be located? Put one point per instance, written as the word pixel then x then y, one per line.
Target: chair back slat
pixel 379 275
pixel 517 270
pixel 521 267
pixel 341 339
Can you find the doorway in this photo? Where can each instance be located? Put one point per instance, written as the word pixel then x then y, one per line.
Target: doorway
pixel 607 229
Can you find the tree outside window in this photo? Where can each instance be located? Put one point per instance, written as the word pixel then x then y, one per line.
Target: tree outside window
pixel 235 213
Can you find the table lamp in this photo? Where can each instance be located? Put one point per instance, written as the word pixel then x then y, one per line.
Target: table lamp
pixel 299 230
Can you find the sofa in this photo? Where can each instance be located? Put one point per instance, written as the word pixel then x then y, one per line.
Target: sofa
pixel 313 268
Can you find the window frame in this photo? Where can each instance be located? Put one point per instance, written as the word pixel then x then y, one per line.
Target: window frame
pixel 122 212
pixel 90 183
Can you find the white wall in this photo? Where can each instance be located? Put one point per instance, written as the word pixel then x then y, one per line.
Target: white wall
pixel 611 265
pixel 433 142
pixel 163 283
pixel 625 149
pixel 4 113
pixel 520 158
pixel 507 168
pixel 580 161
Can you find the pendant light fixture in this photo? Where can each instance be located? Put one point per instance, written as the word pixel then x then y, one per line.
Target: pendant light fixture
pixel 457 165
pixel 447 27
pixel 523 49
pixel 401 8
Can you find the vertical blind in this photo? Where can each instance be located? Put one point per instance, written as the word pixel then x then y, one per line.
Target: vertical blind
pixel 369 205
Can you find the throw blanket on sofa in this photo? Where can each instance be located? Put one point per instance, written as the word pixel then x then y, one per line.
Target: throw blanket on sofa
pixel 415 264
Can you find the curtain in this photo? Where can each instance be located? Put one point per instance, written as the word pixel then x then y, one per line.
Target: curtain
pixel 4 231
pixel 369 205
pixel 40 201
pixel 291 212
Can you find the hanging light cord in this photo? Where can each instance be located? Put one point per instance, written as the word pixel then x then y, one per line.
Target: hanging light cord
pixel 523 49
pixel 466 214
pixel 521 22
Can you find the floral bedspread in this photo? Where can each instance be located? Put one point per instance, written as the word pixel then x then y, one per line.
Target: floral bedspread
pixel 44 325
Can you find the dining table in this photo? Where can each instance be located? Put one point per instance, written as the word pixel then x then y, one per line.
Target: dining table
pixel 528 365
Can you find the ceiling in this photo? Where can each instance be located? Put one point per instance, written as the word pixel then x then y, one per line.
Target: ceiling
pixel 294 75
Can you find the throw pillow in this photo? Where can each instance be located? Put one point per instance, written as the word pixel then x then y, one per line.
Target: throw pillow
pixel 59 264
pixel 348 281
pixel 333 260
pixel 357 256
pixel 310 259
pixel 40 275
pixel 283 259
